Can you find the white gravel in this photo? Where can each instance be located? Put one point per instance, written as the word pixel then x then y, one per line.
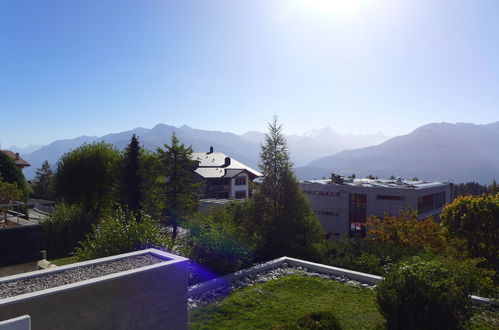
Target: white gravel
pixel 46 281
pixel 252 279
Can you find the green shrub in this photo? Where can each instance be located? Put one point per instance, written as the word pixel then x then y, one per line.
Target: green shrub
pixel 425 295
pixel 120 234
pixel 314 321
pixel 65 227
pixel 215 241
pixel 319 320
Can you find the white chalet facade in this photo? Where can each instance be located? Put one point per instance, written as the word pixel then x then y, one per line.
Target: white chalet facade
pixel 224 177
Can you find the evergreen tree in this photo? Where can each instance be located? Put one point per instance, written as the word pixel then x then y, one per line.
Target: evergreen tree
pixel 284 222
pixel 179 189
pixel 130 177
pixel 493 188
pixel 43 185
pixel 469 188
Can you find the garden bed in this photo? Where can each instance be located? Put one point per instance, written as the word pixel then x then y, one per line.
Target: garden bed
pixel 286 299
pixel 67 276
pixel 138 290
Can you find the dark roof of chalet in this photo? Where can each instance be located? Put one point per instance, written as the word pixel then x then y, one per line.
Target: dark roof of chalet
pixel 18 160
pixel 212 165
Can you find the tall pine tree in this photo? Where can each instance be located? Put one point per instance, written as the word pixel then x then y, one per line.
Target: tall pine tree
pixel 130 176
pixel 285 224
pixel 493 188
pixel 179 189
pixel 43 185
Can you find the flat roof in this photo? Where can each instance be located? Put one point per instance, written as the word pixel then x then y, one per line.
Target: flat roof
pixel 386 183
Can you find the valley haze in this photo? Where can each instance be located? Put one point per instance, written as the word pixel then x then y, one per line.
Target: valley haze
pixel 457 152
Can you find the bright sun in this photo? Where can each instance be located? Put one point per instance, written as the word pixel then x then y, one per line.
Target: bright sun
pixel 333 7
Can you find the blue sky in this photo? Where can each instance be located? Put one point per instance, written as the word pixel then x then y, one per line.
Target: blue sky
pixel 70 68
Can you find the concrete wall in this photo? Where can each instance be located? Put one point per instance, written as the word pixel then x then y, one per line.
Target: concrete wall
pixel 20 244
pixel 18 323
pixel 338 203
pixel 151 297
pixel 234 187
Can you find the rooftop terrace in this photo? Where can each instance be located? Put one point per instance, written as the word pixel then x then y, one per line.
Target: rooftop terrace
pixel 365 182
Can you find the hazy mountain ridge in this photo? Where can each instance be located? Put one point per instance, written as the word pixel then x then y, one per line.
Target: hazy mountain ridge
pixel 439 151
pixel 24 150
pixel 245 147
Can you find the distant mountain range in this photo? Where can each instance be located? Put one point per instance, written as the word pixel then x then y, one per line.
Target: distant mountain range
pixel 440 151
pixel 24 150
pixel 245 148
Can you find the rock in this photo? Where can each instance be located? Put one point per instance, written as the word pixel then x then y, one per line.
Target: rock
pixel 353 283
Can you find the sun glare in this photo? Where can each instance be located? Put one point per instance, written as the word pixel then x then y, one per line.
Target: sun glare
pixel 333 7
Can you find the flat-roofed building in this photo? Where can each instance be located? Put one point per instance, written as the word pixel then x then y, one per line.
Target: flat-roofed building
pixel 343 204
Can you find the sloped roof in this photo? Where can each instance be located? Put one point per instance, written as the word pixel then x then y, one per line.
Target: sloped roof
pixel 212 165
pixel 19 162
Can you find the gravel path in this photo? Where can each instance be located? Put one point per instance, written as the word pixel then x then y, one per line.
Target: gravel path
pixel 32 284
pixel 262 277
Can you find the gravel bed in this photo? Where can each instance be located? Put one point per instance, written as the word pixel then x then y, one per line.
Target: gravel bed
pixel 46 281
pixel 262 277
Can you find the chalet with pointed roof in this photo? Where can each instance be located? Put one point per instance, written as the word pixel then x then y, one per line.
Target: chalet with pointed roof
pixel 20 163
pixel 224 176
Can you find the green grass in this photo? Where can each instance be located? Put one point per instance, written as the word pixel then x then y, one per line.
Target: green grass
pixel 284 300
pixel 63 261
pixel 271 304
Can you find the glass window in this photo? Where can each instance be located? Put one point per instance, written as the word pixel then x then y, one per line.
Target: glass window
pixel 240 181
pixel 357 216
pixel 391 197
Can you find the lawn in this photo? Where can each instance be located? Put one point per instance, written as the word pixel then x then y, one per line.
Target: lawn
pixel 283 301
pixel 63 261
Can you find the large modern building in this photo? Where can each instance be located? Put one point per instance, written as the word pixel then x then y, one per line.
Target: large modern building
pixel 343 204
pixel 224 177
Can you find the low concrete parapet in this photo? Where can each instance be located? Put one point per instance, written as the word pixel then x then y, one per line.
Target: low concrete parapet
pixel 149 297
pixel 18 323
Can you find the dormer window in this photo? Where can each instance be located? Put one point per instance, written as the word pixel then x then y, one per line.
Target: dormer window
pixel 241 181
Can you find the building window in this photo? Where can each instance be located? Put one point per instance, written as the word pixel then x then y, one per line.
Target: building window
pixel 321 193
pixel 426 203
pixel 430 202
pixel 330 213
pixel 220 182
pixel 440 199
pixel 241 181
pixel 357 216
pixel 240 194
pixel 391 197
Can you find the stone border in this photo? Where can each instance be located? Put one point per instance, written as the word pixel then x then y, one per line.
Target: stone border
pixel 316 267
